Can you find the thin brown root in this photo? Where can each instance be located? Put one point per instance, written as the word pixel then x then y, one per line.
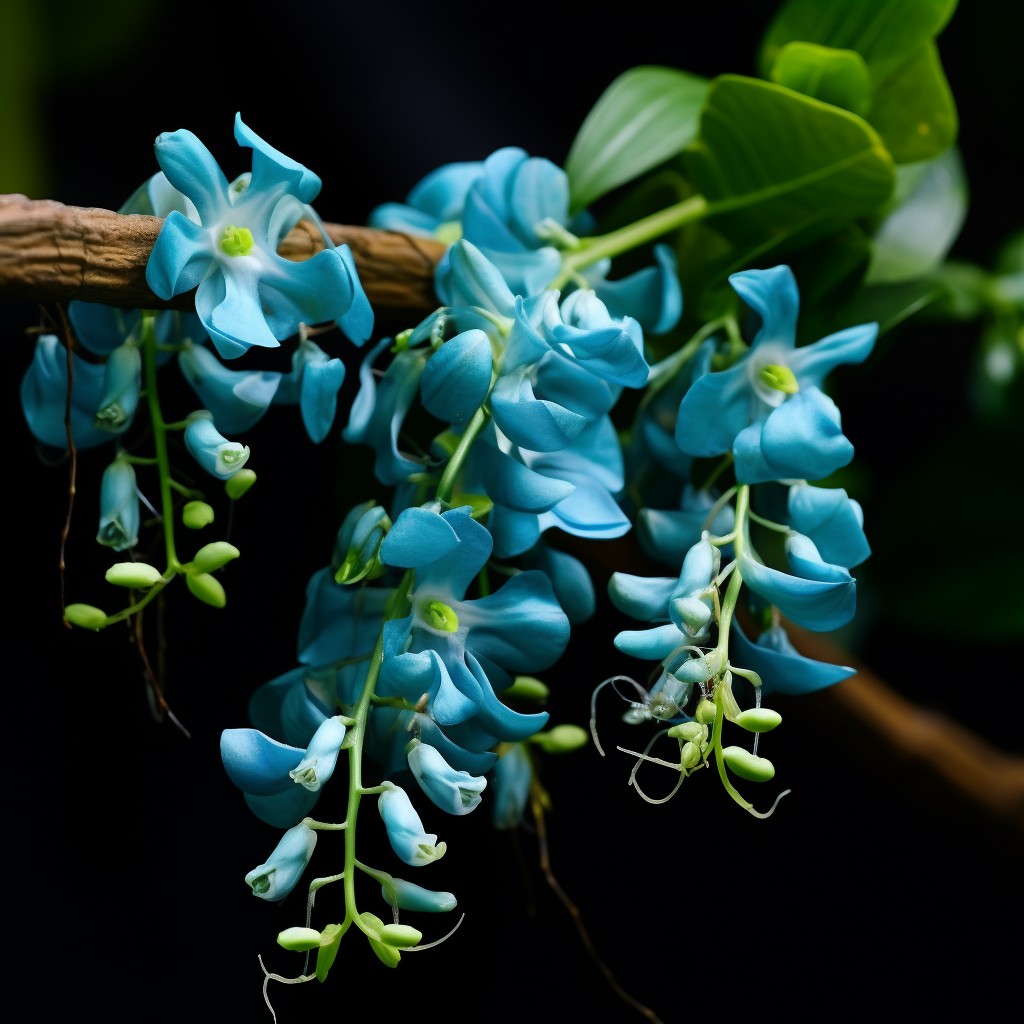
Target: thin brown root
pixel 545 864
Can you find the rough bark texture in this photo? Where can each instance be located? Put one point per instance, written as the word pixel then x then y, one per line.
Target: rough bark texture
pixel 50 252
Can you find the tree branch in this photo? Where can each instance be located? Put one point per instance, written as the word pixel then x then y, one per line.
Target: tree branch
pixel 50 252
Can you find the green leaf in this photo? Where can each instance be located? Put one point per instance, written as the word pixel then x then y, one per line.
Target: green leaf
pixel 884 32
pixel 647 115
pixel 769 160
pixel 330 943
pixel 915 237
pixel 914 110
pixel 912 106
pixel 889 305
pixel 839 77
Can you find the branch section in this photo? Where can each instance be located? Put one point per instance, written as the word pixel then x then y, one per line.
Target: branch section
pixel 50 252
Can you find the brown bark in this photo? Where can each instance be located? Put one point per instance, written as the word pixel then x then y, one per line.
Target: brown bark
pixel 50 252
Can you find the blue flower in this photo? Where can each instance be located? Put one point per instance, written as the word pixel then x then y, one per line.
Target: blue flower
pixel 455 650
pixel 119 506
pixel 832 520
pixel 281 783
pixel 454 791
pixel 397 892
pixel 513 774
pixel 782 668
pixel 44 390
pixel 214 452
pixel 313 385
pixel 515 208
pixel 817 595
pixel 768 407
pixel 412 845
pixel 275 878
pixel 237 399
pixel 247 294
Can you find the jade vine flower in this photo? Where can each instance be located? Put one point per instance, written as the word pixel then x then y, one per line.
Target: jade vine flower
pixel 768 408
pixel 247 294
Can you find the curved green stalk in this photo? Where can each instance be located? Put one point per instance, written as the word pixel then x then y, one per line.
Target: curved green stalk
pixel 397 607
pixel 598 247
pixel 451 472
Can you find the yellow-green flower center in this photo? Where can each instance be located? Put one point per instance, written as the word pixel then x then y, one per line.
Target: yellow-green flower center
pixel 237 241
pixel 779 378
pixel 440 616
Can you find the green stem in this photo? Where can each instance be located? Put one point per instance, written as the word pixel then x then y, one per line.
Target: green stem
pixel 397 607
pixel 159 438
pixel 732 594
pixel 599 247
pixel 446 487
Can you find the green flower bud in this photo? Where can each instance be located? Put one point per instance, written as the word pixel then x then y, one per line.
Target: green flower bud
pixel 758 719
pixel 689 732
pixel 197 514
pixel 299 939
pixel 133 574
pixel 747 765
pixel 400 935
pixel 706 713
pixel 561 739
pixel 387 953
pixel 211 557
pixel 527 688
pixel 235 486
pixel 86 615
pixel 689 756
pixel 207 588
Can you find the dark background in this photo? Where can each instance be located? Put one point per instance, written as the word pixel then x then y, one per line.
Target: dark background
pixel 876 888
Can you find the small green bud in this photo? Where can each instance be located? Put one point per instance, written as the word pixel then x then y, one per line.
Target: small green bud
pixel 211 557
pixel 299 939
pixel 689 732
pixel 527 688
pixel 561 739
pixel 207 588
pixel 235 486
pixel 133 574
pixel 386 952
pixel 400 935
pixel 236 241
pixel 779 378
pixel 706 713
pixel 197 514
pixel 758 719
pixel 86 615
pixel 747 765
pixel 689 756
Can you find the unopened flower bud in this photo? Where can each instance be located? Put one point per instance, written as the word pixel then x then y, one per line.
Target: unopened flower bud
pixel 133 574
pixel 758 719
pixel 207 588
pixel 197 514
pixel 747 765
